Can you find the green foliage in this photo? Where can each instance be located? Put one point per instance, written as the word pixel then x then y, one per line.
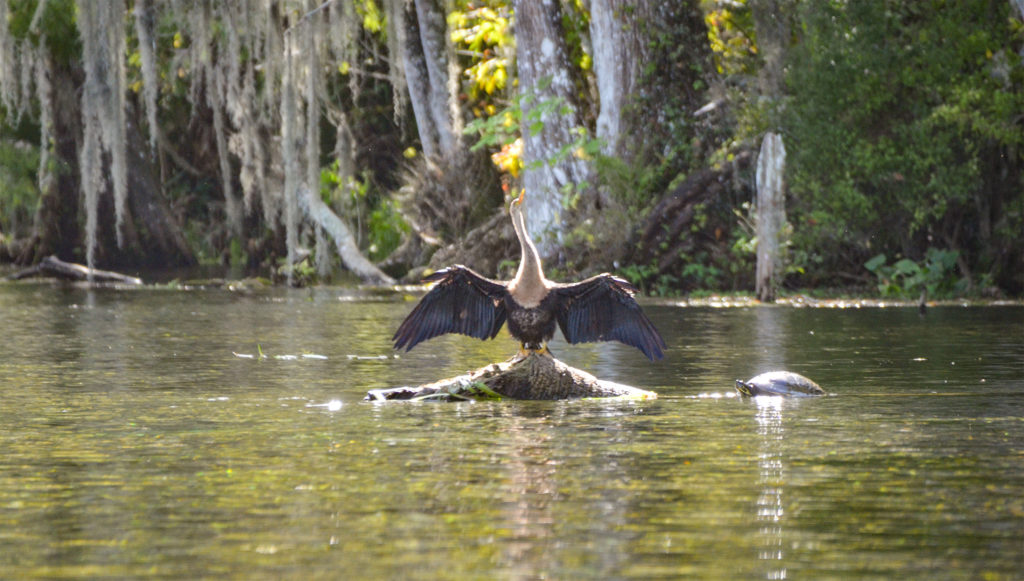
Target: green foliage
pixel 373 17
pixel 503 129
pixel 732 41
pixel 18 193
pixel 57 23
pixel 649 279
pixel 895 109
pixel 385 228
pixel 576 29
pixel 237 255
pixel 707 257
pixel 304 272
pixel 539 109
pixel 19 154
pixel 496 130
pixel 730 27
pixel 703 271
pixel 630 184
pixel 906 278
pixel 379 226
pixel 483 30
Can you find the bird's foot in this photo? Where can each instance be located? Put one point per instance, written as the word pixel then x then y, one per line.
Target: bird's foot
pixel 526 350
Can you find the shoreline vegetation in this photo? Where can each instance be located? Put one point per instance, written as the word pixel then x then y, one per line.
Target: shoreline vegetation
pixel 795 298
pixel 703 146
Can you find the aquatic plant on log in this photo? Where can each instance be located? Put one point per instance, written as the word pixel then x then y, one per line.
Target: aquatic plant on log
pixel 533 376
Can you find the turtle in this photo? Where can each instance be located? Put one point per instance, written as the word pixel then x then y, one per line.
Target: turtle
pixel 779 383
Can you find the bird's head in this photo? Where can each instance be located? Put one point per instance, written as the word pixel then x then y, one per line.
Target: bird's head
pixel 517 202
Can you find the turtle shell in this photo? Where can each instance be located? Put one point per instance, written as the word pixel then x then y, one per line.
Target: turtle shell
pixel 779 383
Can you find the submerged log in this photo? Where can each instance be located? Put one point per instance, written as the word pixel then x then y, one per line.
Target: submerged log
pixel 533 377
pixel 53 266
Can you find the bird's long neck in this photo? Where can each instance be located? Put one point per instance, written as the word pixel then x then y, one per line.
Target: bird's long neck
pixel 530 284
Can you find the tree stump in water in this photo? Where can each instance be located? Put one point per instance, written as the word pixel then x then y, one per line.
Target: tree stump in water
pixel 771 216
pixel 535 376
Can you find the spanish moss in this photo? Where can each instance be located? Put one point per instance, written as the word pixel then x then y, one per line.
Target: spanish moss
pixel 102 32
pixel 143 14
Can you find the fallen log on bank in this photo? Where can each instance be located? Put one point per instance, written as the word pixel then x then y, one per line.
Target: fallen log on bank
pixel 533 377
pixel 53 266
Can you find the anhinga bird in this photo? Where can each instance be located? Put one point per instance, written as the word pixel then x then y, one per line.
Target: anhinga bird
pixel 600 308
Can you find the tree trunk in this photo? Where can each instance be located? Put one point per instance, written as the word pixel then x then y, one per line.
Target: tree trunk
pixel 56 229
pixel 771 23
pixel 425 63
pixel 771 216
pixel 453 188
pixel 617 53
pixel 160 240
pixel 549 117
pixel 433 32
pixel 649 57
pixel 150 235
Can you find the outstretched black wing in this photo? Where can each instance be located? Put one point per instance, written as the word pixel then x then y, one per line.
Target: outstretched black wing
pixel 602 308
pixel 462 301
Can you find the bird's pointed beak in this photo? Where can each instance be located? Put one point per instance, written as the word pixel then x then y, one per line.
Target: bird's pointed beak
pixel 522 195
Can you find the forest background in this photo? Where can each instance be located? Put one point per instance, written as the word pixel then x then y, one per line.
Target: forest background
pixel 307 140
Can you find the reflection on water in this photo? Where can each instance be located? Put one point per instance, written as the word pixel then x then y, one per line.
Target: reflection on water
pixel 137 444
pixel 770 512
pixel 770 339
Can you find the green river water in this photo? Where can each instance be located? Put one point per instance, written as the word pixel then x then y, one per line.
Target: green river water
pixel 139 439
